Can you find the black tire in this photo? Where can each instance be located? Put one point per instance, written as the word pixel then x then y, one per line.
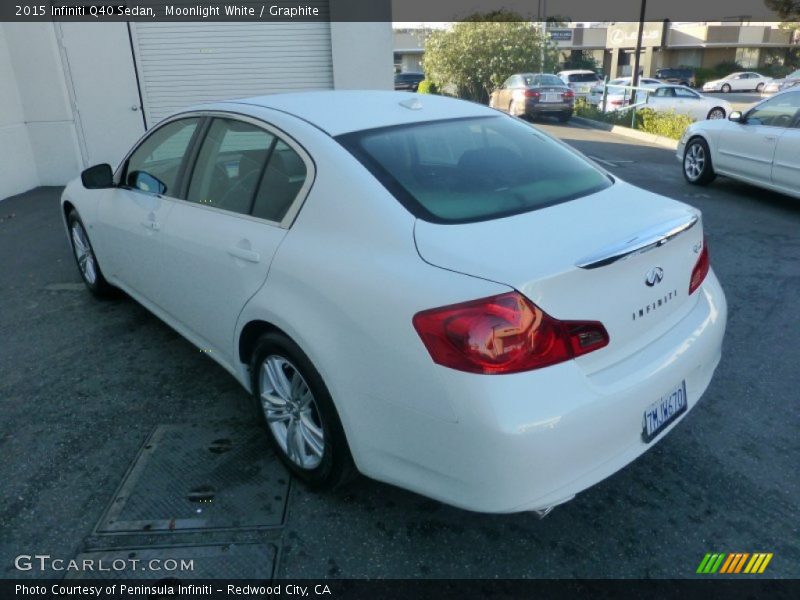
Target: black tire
pixel 336 466
pixel 97 283
pixel 726 88
pixel 716 113
pixel 760 88
pixel 692 171
pixel 564 117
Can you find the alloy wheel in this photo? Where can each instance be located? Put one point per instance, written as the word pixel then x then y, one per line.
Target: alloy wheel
pixel 84 254
pixel 716 113
pixel 694 163
pixel 291 412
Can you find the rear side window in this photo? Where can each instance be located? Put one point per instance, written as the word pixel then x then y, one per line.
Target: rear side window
pixel 230 165
pixel 475 169
pixel 285 175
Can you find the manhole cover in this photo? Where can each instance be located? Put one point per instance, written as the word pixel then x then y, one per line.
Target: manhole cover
pixel 225 561
pixel 200 478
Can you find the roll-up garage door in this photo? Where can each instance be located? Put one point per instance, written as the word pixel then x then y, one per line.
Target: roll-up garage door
pixel 181 64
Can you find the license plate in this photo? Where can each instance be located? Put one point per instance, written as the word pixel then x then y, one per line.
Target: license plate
pixel 664 411
pixel 550 98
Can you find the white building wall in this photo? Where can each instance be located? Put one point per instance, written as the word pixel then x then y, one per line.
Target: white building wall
pixel 362 56
pixel 17 166
pixel 40 79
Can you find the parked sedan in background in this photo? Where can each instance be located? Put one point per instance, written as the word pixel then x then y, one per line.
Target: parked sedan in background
pixel 779 85
pixel 421 289
pixel 617 97
pixel 408 82
pixel 738 82
pixel 580 81
pixel 534 94
pixel 761 146
pixel 679 76
pixel 685 101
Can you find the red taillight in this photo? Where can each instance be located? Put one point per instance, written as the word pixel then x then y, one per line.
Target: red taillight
pixel 531 94
pixel 616 102
pixel 569 94
pixel 700 269
pixel 503 334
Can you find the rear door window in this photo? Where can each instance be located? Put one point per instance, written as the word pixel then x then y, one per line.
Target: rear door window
pixel 230 165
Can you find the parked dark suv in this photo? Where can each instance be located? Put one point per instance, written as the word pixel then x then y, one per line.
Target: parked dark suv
pixel 408 81
pixel 681 76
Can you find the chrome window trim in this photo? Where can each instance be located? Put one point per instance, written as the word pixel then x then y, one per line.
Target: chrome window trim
pixel 294 208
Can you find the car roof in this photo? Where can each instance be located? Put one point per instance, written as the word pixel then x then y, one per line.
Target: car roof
pixel 343 111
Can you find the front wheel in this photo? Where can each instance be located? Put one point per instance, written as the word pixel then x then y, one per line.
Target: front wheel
pixel 298 413
pixel 697 168
pixel 85 258
pixel 726 88
pixel 760 88
pixel 716 113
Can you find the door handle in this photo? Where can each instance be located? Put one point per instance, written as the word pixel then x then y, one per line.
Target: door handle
pixel 152 225
pixel 244 254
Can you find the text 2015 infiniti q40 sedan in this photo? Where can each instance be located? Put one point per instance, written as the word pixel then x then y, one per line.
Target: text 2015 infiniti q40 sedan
pixel 413 287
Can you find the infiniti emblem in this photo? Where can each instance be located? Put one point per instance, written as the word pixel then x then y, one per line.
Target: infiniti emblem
pixel 654 276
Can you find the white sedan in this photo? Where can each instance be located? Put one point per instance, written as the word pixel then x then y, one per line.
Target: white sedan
pixel 418 288
pixel 686 101
pixel 617 95
pixel 738 82
pixel 761 146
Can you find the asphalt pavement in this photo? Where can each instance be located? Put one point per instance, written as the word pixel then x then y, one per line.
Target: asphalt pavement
pixel 85 383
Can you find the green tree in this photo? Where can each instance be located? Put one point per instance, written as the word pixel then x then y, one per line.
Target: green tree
pixel 477 55
pixel 789 13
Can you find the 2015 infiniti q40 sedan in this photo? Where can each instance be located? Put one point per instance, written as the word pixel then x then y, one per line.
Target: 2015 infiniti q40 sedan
pixel 416 288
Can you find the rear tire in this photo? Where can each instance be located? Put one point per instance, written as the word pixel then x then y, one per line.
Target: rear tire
pixel 697 167
pixel 716 113
pixel 760 88
pixel 564 117
pixel 85 258
pixel 297 411
pixel 726 88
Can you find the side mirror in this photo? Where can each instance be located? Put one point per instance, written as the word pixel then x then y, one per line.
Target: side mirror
pixel 98 177
pixel 142 180
pixel 736 117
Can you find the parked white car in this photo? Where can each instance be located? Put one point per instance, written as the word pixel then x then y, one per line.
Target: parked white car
pixel 423 289
pixel 686 101
pixel 580 81
pixel 738 82
pixel 779 85
pixel 761 147
pixel 617 97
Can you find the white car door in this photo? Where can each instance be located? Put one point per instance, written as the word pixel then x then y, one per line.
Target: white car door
pixel 220 241
pixel 131 217
pixel 786 165
pixel 690 103
pixel 748 148
pixel 662 99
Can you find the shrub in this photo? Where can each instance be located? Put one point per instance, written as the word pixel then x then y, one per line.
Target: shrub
pixel 668 124
pixel 427 87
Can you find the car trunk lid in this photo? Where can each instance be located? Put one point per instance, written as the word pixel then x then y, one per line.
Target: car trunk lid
pixel 622 256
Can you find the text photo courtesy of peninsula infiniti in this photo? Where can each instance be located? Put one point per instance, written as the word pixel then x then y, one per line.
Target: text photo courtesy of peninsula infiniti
pixel 420 289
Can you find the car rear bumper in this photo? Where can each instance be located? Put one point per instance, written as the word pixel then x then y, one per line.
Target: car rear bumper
pixel 534 108
pixel 533 440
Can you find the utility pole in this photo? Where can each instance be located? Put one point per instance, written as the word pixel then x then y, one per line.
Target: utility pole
pixel 543 20
pixel 635 75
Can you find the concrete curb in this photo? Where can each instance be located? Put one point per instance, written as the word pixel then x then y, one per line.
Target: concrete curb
pixel 651 138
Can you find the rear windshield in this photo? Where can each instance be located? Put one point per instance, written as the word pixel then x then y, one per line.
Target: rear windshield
pixel 474 169
pixel 542 80
pixel 582 77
